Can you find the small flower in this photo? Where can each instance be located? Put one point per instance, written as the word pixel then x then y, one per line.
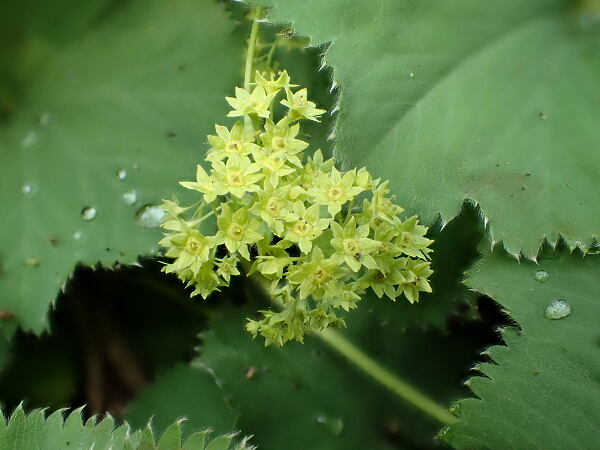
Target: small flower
pixel 245 103
pixel 307 226
pixel 317 277
pixel 237 230
pixel 411 238
pixel 348 297
pixel 237 176
pixel 382 206
pixel 415 275
pixel 300 107
pixel 383 282
pixel 231 142
pixel 190 248
pixel 204 183
pixel 273 164
pixel 205 282
pixel 227 267
pixel 335 190
pixel 352 246
pixel 272 86
pixel 273 206
pixel 282 137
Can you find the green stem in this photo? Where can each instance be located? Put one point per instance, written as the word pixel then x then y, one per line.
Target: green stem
pixel 335 340
pixel 251 48
pixel 379 373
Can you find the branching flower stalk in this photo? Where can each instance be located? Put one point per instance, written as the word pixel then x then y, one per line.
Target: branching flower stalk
pixel 321 237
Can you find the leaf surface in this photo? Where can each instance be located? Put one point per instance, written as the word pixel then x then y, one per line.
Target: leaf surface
pixel 103 110
pixel 543 391
pixel 496 103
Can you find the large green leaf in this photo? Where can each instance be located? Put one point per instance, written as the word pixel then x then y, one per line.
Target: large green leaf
pixel 543 391
pixel 98 100
pixel 493 102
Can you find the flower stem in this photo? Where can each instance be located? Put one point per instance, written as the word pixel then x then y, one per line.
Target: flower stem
pixel 249 125
pixel 371 367
pixel 335 340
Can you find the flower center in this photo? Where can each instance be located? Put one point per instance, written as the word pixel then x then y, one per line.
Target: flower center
pixel 235 231
pixel 235 179
pixel 194 246
pixel 351 246
pixel 273 206
pixel 281 143
pixel 335 193
pixel 234 147
pixel 406 239
pixel 302 228
pixel 319 276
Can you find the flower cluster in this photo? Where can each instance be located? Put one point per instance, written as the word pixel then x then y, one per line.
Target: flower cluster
pixel 320 236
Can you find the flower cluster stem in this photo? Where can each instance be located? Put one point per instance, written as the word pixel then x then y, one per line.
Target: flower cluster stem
pixel 358 358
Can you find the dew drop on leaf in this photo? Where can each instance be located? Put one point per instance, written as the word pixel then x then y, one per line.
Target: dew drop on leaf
pixel 335 425
pixel 30 140
pixel 121 174
pixel 557 310
pixel 130 197
pixel 541 276
pixel 89 213
pixel 77 235
pixel 45 120
pixel 27 189
pixel 149 216
pixel 454 409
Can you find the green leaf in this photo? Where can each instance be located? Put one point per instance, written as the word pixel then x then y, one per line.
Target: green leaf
pixel 111 98
pixel 32 432
pixel 543 389
pixel 308 395
pixel 496 103
pixel 184 391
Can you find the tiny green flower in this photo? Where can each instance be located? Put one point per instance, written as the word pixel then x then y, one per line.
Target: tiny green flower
pixel 273 164
pixel 272 86
pixel 273 206
pixel 415 274
pixel 383 282
pixel 282 137
pixel 348 297
pixel 206 281
pixel 317 277
pixel 227 267
pixel 335 190
pixel 411 238
pixel 307 226
pixel 231 142
pixel 245 103
pixel 189 248
pixel 352 245
pixel 300 107
pixel 237 230
pixel 237 176
pixel 204 184
pixel 381 205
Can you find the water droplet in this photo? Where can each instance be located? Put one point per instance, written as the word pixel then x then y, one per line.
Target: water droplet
pixel 411 74
pixel 121 174
pixel 454 409
pixel 334 424
pixel 77 235
pixel 557 310
pixel 149 216
pixel 31 139
pixel 130 197
pixel 445 434
pixel 541 276
pixel 27 189
pixel 45 120
pixel 89 213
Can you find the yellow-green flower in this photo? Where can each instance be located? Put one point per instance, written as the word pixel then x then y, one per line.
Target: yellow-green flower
pixel 282 137
pixel 227 142
pixel 189 248
pixel 384 282
pixel 334 190
pixel 245 103
pixel 306 226
pixel 352 245
pixel 415 279
pixel 237 176
pixel 273 206
pixel 237 230
pixel 273 164
pixel 204 183
pixel 317 277
pixel 300 107
pixel 272 85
